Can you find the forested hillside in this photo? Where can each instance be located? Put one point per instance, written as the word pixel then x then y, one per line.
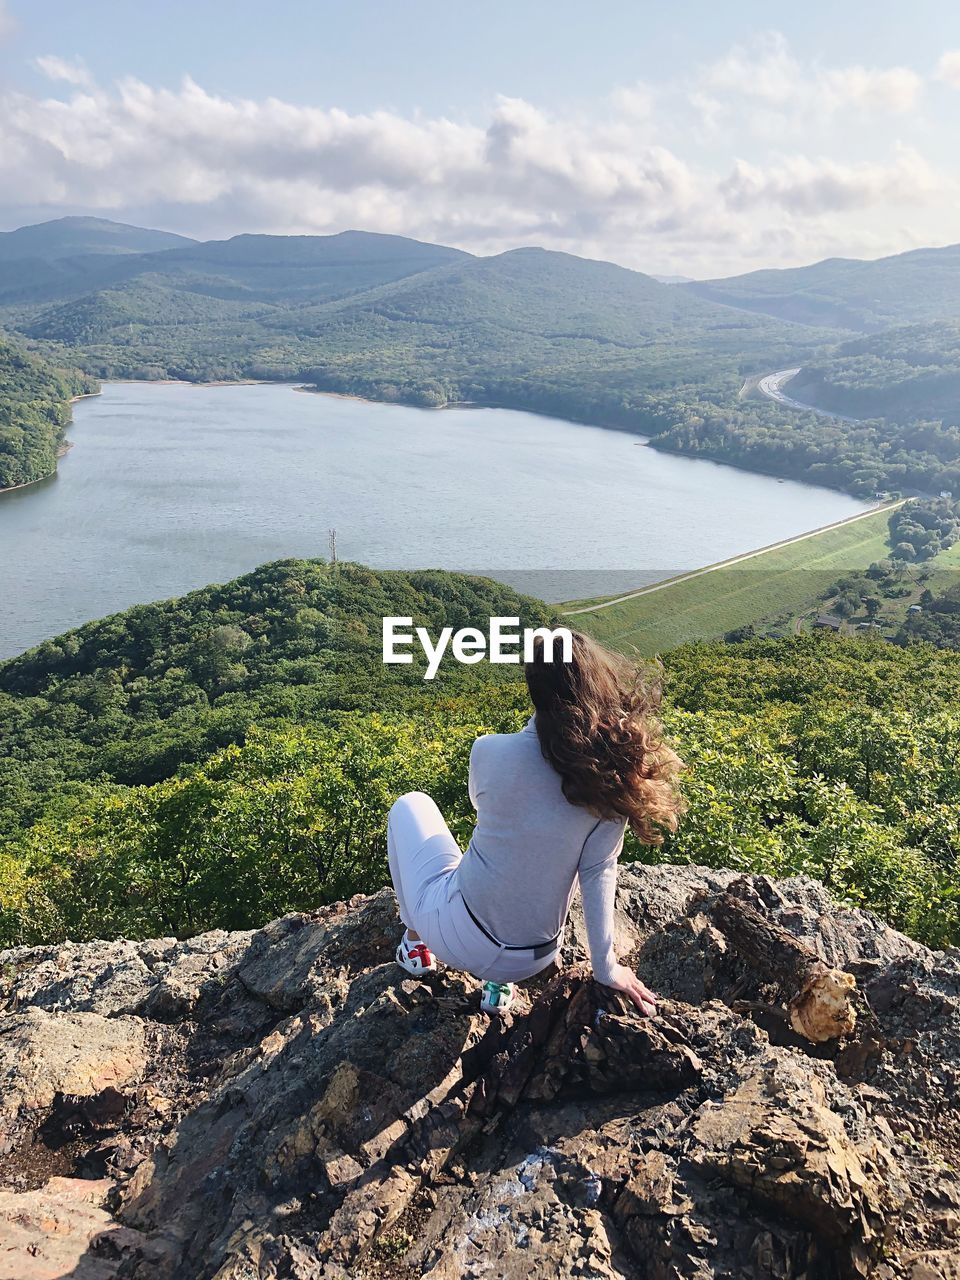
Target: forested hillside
pixel 34 411
pixel 875 455
pixel 133 696
pixel 835 758
pixel 398 320
pixel 847 293
pixel 394 319
pixel 255 268
pixel 70 237
pixel 539 330
pixel 907 373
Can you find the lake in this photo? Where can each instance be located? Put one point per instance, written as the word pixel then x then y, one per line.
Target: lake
pixel 170 487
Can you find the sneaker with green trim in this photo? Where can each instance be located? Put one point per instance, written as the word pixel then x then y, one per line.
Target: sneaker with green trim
pixel 496 997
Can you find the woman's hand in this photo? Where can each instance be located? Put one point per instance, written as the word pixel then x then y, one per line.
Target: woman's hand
pixel 626 980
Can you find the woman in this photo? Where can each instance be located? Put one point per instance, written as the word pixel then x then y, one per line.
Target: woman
pixel 553 802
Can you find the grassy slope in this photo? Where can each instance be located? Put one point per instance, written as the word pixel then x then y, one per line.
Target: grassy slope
pixel 784 580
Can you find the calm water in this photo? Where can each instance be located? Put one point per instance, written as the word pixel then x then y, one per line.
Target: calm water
pixel 169 487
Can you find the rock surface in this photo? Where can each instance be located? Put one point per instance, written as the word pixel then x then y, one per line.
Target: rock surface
pixel 287 1103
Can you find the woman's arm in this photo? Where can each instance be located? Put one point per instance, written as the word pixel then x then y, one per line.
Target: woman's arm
pixel 598 891
pixel 476 773
pixel 472 775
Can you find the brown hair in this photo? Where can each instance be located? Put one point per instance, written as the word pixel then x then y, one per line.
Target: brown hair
pixel 598 724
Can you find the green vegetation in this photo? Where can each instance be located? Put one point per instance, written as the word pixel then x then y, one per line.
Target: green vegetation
pixel 34 412
pixel 865 458
pixel 921 530
pixel 907 374
pixel 808 754
pixel 782 583
pixel 936 619
pixel 867 573
pixel 72 237
pixel 542 331
pixel 130 698
pixel 908 288
pixel 902 380
pixel 393 319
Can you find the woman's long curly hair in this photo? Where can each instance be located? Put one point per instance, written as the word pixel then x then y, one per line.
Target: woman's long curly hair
pixel 598 724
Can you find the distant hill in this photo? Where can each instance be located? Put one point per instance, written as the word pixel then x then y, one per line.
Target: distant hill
pixel 846 293
pixel 310 268
pixel 536 329
pixel 259 268
pixel 397 319
pixel 70 237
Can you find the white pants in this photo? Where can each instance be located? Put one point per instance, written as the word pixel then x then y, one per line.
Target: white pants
pixel 423 862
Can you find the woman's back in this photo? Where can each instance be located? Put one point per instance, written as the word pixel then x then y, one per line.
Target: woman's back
pixel 519 871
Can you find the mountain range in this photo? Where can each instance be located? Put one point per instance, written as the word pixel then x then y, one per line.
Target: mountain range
pixel 849 293
pixel 69 237
pixel 95 253
pixel 392 318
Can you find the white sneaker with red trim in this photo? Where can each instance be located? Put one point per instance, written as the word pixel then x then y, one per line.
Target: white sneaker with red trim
pixel 415 957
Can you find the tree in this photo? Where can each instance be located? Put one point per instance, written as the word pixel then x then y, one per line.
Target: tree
pixel 846 604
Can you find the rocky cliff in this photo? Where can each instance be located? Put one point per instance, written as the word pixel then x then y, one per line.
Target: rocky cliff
pixel 287 1103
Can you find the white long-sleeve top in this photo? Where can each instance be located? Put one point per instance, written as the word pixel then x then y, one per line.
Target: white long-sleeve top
pixel 529 847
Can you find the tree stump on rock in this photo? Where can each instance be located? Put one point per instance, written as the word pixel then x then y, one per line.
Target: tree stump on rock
pixel 817 997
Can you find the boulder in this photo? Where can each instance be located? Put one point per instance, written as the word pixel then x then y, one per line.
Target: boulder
pixel 286 1102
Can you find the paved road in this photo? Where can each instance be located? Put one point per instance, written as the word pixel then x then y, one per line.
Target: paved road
pixel 772 384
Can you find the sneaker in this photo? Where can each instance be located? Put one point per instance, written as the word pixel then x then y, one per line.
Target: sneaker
pixel 415 957
pixel 496 997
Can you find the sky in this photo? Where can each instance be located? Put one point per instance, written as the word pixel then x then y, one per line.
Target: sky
pixel 691 138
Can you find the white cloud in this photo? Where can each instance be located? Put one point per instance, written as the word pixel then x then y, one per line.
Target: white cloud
pixel 629 181
pixel 895 89
pixel 948 68
pixel 636 101
pixel 814 186
pixel 55 68
pixel 765 74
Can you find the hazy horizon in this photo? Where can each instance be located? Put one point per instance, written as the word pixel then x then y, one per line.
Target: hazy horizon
pixel 709 147
pixel 667 277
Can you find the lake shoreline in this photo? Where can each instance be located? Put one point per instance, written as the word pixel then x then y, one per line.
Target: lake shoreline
pixel 311 390
pixel 62 452
pixel 176 487
pixel 642 438
pixel 62 449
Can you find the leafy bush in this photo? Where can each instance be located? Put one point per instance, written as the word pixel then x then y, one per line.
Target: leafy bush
pixel 866 801
pixel 808 754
